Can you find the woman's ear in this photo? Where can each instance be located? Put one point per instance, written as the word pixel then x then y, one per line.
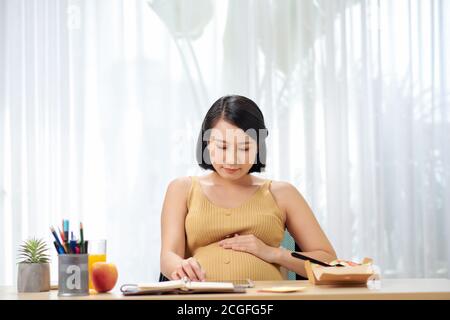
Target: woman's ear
pixel 210 150
pixel 208 145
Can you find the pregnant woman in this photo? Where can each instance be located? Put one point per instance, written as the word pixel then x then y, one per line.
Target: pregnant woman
pixel 229 223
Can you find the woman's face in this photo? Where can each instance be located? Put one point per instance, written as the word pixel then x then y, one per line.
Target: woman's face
pixel 232 151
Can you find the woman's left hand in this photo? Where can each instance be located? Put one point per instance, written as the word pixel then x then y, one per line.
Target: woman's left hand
pixel 251 244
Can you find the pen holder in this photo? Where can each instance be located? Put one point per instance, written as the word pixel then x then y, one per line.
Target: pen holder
pixel 73 275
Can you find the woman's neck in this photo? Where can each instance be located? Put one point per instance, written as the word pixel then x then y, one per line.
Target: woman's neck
pixel 245 180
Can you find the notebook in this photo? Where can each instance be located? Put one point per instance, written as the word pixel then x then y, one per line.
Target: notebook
pixel 180 286
pixel 282 289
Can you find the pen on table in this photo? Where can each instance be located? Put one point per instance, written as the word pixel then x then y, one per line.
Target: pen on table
pixel 300 256
pixel 56 238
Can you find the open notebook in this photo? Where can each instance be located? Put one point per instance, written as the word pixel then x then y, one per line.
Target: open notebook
pixel 180 286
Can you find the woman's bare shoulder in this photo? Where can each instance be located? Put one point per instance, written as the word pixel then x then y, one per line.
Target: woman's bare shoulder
pixel 180 186
pixel 284 192
pixel 282 188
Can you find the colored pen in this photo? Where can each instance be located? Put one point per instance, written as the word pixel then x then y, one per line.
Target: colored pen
pixel 73 243
pixel 56 238
pixel 300 256
pixel 63 228
pixel 66 230
pixel 59 250
pixel 81 238
pixel 66 235
pixel 61 234
pixel 63 240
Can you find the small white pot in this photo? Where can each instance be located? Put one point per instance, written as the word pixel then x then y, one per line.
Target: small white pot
pixel 33 277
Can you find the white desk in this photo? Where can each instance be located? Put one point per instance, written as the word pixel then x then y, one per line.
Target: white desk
pixel 410 289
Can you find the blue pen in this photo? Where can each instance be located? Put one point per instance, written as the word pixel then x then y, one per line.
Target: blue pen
pixel 59 250
pixel 73 244
pixel 57 240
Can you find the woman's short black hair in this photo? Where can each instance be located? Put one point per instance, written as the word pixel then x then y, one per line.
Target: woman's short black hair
pixel 241 112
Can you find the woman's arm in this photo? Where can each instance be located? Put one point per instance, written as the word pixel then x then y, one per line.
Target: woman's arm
pixel 303 227
pixel 172 262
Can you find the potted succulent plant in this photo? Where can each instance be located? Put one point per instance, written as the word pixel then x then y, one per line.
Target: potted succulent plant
pixel 34 268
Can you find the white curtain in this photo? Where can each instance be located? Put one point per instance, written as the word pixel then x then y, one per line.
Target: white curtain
pixel 101 102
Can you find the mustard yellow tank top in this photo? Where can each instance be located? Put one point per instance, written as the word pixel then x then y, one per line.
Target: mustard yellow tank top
pixel 206 224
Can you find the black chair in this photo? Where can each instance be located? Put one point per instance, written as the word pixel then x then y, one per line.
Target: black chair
pixel 297 276
pixel 162 278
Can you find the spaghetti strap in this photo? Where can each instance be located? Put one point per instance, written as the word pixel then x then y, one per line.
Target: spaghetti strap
pixel 195 182
pixel 266 184
pixel 191 190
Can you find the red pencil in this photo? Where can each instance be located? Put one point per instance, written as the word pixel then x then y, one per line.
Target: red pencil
pixel 61 234
pixel 63 243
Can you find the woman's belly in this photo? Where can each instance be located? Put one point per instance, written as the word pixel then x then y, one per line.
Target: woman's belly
pixel 226 264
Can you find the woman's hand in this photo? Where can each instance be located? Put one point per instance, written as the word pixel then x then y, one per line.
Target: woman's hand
pixel 189 268
pixel 251 244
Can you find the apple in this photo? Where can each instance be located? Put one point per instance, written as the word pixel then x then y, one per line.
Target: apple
pixel 104 276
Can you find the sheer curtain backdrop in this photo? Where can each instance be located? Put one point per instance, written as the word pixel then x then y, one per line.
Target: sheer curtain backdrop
pixel 101 103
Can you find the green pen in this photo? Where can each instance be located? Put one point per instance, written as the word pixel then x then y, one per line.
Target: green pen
pixel 82 249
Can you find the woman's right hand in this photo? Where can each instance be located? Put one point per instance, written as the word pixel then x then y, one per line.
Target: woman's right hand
pixel 189 268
